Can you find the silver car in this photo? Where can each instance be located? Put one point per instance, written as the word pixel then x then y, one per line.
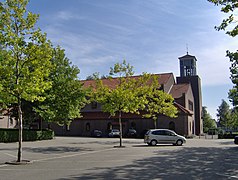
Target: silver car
pixel 163 136
pixel 114 133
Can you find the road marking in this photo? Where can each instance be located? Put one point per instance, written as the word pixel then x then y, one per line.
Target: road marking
pixel 72 155
pixel 10 155
pixel 3 165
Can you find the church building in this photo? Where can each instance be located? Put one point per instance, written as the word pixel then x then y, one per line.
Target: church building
pixel 185 89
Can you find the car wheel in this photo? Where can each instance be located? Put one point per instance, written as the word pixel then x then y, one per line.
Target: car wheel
pixel 153 142
pixel 179 142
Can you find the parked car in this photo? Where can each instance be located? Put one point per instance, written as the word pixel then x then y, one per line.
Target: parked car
pixel 131 133
pixel 96 133
pixel 163 136
pixel 236 140
pixel 114 133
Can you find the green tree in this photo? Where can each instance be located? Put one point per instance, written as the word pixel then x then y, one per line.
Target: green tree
pixel 25 64
pixel 131 95
pixel 208 122
pixel 96 75
pixel 159 102
pixel 230 25
pixel 224 115
pixel 67 96
pixel 234 117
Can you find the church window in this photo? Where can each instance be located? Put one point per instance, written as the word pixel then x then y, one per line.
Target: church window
pixel 88 127
pixel 190 105
pixel 172 126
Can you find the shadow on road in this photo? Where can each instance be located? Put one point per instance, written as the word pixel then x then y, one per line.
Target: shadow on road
pixel 56 149
pixel 187 163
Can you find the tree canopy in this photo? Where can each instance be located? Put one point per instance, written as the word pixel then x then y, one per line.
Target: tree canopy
pixel 230 26
pixel 66 97
pixel 35 77
pixel 208 122
pixel 159 102
pixel 25 58
pixel 224 115
pixel 132 94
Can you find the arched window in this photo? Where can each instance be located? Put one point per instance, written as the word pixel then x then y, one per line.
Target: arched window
pixel 87 126
pixel 172 126
pixel 133 125
pixel 109 126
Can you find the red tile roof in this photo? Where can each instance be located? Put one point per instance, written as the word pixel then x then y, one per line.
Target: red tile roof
pixel 178 90
pixel 112 83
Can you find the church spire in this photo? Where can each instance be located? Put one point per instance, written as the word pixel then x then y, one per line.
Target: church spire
pixel 187 48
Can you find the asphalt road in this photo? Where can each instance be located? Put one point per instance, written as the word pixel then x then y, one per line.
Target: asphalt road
pixel 98 158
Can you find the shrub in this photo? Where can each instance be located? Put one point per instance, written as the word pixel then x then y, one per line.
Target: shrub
pixel 228 135
pixel 11 135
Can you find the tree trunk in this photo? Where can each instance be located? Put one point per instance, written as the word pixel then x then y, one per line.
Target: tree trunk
pixel 20 126
pixel 120 124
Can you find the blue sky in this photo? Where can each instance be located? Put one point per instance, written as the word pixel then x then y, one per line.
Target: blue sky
pixel 149 34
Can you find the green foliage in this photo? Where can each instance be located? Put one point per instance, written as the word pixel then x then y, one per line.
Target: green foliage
pixel 133 94
pixel 95 76
pixel 224 115
pixel 208 122
pixel 231 27
pixel 159 102
pixel 227 135
pixel 233 93
pixel 234 118
pixel 121 70
pixel 11 135
pixel 25 58
pixel 66 97
pixel 228 6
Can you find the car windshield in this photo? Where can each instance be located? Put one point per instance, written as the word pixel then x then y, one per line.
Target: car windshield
pixel 147 132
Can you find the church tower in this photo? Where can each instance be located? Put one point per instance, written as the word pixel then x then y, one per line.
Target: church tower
pixel 188 66
pixel 188 74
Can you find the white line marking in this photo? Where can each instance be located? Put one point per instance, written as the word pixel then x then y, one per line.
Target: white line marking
pixel 4 165
pixel 71 155
pixel 10 155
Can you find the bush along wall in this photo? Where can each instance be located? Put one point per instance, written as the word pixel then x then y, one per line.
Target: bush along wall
pixel 11 135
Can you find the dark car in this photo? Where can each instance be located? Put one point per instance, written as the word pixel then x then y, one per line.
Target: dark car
pixel 131 133
pixel 96 133
pixel 236 140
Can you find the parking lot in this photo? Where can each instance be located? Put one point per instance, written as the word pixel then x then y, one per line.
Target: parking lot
pixel 100 158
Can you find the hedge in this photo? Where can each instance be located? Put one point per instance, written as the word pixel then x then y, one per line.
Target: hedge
pixel 11 135
pixel 227 135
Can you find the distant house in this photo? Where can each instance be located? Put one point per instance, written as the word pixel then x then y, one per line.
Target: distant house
pixel 186 93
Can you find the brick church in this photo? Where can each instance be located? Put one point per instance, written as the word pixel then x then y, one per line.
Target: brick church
pixel 185 89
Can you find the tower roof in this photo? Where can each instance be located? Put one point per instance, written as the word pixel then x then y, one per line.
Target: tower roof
pixel 187 56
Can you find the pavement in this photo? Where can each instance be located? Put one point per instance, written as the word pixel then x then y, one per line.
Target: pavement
pixel 100 158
